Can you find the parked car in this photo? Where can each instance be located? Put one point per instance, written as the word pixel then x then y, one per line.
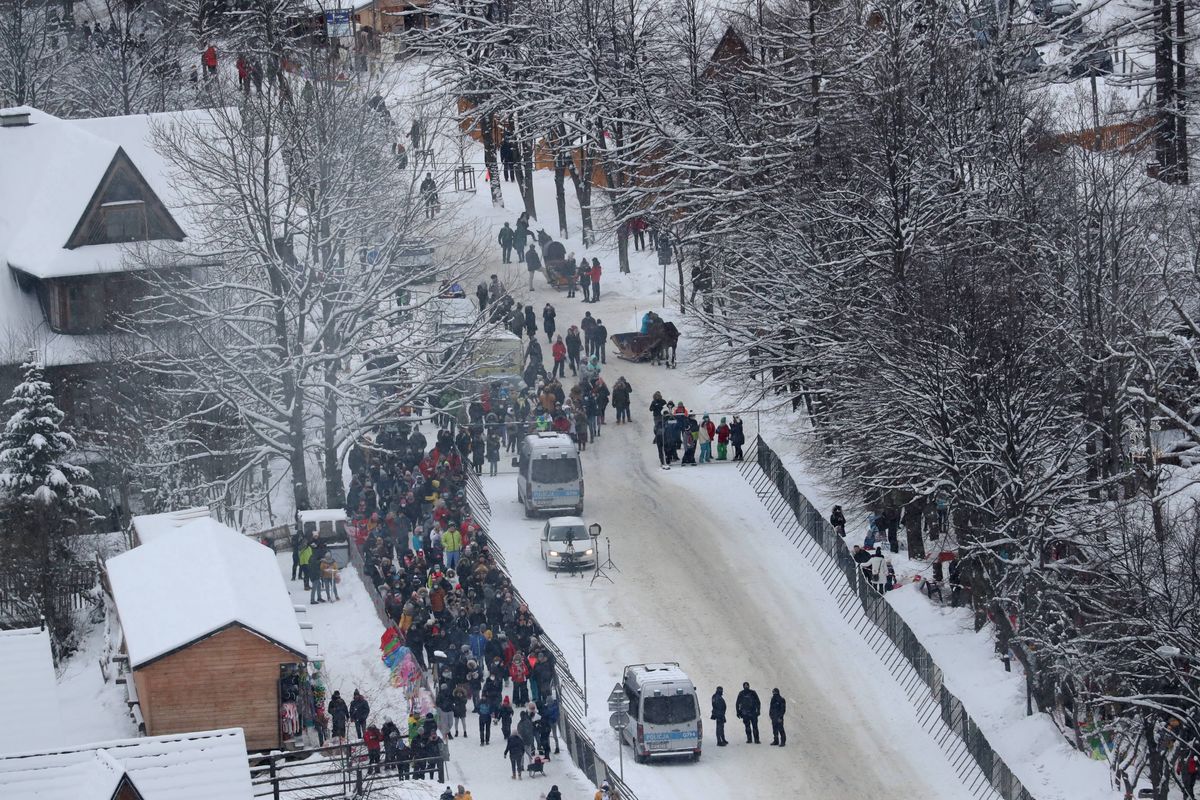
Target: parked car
pixel 566 544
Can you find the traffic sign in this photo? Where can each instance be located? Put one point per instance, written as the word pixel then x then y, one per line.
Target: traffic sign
pixel 619 720
pixel 617 699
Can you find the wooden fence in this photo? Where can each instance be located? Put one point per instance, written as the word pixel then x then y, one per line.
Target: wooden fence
pixel 73 587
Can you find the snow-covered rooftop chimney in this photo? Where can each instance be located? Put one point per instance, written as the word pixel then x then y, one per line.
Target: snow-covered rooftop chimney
pixel 14 118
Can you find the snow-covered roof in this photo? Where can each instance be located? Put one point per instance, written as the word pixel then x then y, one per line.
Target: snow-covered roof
pixel 197 580
pixel 322 515
pixel 148 527
pixel 32 702
pixel 189 766
pixel 49 172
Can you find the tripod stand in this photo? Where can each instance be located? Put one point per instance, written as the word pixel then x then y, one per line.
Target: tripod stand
pixel 570 561
pixel 608 562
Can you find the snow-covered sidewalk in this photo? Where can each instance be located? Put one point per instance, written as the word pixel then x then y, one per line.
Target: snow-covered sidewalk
pixel 347 632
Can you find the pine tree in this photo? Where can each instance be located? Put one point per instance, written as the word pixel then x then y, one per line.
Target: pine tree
pixel 43 499
pixel 34 470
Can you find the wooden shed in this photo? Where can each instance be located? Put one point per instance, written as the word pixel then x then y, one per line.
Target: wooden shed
pixel 208 626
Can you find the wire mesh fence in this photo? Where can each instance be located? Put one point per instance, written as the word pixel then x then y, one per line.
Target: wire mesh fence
pixel 939 711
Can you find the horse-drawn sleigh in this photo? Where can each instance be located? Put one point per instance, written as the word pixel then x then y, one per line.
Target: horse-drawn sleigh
pixel 656 341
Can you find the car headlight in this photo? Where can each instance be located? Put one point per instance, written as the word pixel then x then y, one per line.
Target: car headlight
pixel 554 553
pixel 587 552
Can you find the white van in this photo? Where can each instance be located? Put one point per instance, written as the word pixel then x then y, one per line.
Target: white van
pixel 549 474
pixel 664 712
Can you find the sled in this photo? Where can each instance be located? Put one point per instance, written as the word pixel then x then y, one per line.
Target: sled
pixel 554 262
pixel 556 274
pixel 635 346
pixel 658 343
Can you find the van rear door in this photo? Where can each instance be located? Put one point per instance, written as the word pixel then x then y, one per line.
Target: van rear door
pixel 670 722
pixel 554 481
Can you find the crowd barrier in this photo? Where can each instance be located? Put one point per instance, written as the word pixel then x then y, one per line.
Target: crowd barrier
pixel 941 713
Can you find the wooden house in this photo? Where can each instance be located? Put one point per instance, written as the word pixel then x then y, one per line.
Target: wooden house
pixel 208 628
pixel 85 204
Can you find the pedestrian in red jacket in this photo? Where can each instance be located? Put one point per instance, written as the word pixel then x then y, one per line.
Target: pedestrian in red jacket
pixel 209 60
pixel 559 351
pixel 373 738
pixel 595 275
pixel 518 670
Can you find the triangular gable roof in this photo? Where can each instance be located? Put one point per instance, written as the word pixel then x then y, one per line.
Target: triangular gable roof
pixel 126 790
pixel 730 51
pixel 190 766
pixel 195 582
pixel 123 181
pixel 50 171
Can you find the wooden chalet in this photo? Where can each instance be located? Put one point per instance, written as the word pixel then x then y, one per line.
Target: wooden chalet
pixel 208 628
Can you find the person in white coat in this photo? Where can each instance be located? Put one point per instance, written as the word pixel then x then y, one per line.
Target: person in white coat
pixel 878 567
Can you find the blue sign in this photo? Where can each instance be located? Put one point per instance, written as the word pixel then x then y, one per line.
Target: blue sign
pixel 669 736
pixel 337 23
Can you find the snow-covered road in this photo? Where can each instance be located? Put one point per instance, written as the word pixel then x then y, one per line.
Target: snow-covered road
pixel 707 580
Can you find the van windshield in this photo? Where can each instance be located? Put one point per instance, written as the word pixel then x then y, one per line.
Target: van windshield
pixel 670 710
pixel 554 470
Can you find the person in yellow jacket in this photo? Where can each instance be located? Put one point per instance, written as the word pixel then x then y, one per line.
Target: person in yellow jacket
pixel 462 793
pixel 605 792
pixel 452 546
pixel 329 576
pixel 306 554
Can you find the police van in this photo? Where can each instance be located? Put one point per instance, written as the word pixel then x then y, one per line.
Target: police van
pixel 549 474
pixel 664 712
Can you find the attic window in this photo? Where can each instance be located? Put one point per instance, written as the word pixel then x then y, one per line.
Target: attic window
pixel 122 221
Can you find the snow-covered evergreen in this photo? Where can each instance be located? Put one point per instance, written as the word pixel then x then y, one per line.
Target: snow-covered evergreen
pixel 35 465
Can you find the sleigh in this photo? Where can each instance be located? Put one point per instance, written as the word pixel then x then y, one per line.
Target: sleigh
pixel 658 343
pixel 554 264
pixel 636 346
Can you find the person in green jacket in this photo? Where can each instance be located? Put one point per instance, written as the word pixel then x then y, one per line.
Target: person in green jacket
pixel 452 545
pixel 306 555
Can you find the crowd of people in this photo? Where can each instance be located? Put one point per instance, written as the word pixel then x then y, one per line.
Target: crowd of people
pixel 544 400
pixel 580 276
pixel 676 427
pixel 424 555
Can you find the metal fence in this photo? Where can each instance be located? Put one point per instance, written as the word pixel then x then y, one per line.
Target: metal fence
pixel 333 772
pixel 572 716
pixel 940 713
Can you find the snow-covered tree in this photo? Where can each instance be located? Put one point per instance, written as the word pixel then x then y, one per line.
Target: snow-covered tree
pixel 32 41
pixel 44 498
pixel 35 469
pixel 312 318
pixel 132 63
